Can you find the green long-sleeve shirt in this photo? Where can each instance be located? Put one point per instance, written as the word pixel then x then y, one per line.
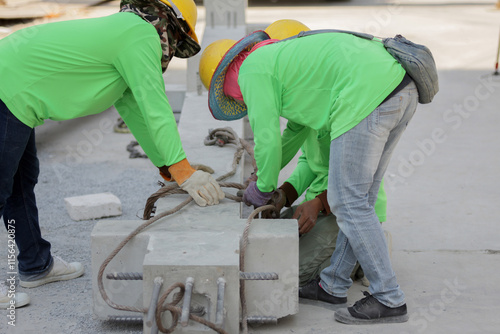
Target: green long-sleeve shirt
pixel 327 82
pixel 64 70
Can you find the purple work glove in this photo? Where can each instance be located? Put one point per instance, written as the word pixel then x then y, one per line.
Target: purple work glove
pixel 253 196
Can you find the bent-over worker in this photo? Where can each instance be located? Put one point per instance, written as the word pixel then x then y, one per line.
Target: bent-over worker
pixel 70 69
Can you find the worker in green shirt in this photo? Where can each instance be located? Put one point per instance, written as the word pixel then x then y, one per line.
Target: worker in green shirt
pixel 317 225
pixel 70 69
pixel 352 88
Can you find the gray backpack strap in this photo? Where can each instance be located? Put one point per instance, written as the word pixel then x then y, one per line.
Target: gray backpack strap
pixel 321 31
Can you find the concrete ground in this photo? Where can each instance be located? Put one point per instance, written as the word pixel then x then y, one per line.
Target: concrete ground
pixel 442 183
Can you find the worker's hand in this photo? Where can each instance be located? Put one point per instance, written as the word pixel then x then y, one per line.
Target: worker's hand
pixel 203 188
pixel 199 184
pixel 278 199
pixel 253 196
pixel 252 177
pixel 307 214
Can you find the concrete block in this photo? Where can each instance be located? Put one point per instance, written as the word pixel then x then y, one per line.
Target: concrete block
pixel 105 237
pixel 206 257
pixel 205 247
pixel 273 246
pixel 93 206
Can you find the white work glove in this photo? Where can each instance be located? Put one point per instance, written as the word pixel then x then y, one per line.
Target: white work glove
pixel 203 188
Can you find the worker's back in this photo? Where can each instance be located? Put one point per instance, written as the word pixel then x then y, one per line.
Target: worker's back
pixel 70 69
pixel 327 81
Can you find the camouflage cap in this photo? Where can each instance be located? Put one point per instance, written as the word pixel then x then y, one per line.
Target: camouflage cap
pixel 175 40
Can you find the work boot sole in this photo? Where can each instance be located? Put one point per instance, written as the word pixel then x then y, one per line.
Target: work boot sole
pixel 45 280
pixel 314 291
pixel 322 304
pixel 345 317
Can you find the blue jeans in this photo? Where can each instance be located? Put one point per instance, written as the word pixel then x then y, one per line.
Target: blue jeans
pixel 19 171
pixel 358 161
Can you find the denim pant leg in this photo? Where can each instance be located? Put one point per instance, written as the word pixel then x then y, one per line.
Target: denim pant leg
pixel 358 161
pixel 19 169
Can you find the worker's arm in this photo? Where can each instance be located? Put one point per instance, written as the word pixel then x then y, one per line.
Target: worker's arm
pixel 129 110
pixel 262 95
pixel 305 178
pixel 292 139
pixel 307 212
pixel 144 106
pixel 146 111
pixel 300 179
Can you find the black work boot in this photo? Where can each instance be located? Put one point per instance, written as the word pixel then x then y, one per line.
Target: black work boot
pixel 313 291
pixel 370 311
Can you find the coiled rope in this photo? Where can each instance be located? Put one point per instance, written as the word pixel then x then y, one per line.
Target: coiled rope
pixel 220 136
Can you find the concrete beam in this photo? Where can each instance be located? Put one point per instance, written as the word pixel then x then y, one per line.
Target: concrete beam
pixel 205 247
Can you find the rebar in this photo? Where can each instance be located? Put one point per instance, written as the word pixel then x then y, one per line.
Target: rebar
pixel 256 276
pixel 261 320
pixel 125 276
pixel 187 301
pixel 158 282
pixel 219 313
pixel 127 318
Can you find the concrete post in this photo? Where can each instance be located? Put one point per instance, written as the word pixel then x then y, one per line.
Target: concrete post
pixel 224 19
pixel 225 13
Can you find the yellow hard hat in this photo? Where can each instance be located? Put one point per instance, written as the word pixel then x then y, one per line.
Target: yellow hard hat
pixel 211 58
pixel 282 29
pixel 186 10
